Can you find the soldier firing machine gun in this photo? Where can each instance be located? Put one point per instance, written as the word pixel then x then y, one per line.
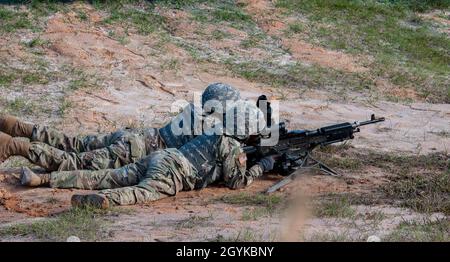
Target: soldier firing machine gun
pixel 293 151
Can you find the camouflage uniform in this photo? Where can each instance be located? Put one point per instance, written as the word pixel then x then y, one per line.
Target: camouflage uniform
pixel 54 150
pixel 166 172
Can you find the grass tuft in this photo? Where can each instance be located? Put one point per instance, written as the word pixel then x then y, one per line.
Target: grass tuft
pixel 86 223
pixel 336 206
pixel 424 231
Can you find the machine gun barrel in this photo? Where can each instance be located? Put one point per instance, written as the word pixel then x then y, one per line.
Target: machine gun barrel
pixel 372 120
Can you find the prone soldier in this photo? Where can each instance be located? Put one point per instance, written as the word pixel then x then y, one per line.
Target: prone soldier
pixel 54 150
pixel 204 160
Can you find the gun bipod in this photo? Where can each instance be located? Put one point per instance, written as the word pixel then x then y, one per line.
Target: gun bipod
pixel 307 164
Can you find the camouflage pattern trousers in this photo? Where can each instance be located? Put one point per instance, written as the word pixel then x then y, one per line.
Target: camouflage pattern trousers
pixel 161 174
pixel 54 150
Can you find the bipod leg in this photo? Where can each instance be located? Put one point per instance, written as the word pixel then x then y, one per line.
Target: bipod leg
pixel 322 167
pixel 308 163
pixel 287 180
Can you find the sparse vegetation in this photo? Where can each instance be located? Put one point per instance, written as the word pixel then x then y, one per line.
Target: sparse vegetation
pixel 245 235
pixel 335 206
pixel 421 191
pixel 18 106
pixel 82 15
pixel 255 213
pixel 422 231
pixel 248 199
pixel 36 42
pixel 65 106
pixel 86 223
pixel 142 18
pixel 419 182
pixel 193 221
pixel 12 20
pixel 170 65
pixel 219 34
pixel 11 75
pixel 389 37
pixel 295 28
pixel 263 205
pixel 335 237
pixel 297 75
pixel 408 51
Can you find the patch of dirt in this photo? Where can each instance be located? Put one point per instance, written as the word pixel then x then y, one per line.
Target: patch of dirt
pixel 368 220
pixel 274 25
pixel 327 58
pixel 441 18
pixel 33 203
pixel 398 92
pixel 135 89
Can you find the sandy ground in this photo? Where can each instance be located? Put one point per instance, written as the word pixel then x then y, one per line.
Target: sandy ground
pixel 137 91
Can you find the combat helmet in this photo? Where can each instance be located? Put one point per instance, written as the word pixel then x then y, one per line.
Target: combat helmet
pixel 218 93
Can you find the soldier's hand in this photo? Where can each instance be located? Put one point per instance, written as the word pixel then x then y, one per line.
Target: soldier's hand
pixel 267 163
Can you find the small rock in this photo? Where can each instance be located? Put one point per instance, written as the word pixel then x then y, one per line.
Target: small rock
pixel 373 239
pixel 73 239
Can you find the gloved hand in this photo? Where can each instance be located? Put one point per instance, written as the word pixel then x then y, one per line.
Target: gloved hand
pixel 267 163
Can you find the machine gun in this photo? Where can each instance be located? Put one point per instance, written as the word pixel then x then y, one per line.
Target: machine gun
pixel 293 151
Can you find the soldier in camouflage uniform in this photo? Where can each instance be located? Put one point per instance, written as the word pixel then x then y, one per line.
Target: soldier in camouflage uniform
pixel 54 150
pixel 204 160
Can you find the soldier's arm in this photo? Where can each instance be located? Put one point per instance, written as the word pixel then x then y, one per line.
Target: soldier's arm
pixel 235 170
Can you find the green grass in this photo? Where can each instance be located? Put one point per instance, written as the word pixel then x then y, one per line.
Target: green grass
pixel 141 17
pixel 171 65
pixel 419 5
pixel 255 213
pixel 219 34
pixel 86 223
pixel 6 78
pixel 34 78
pixel 230 13
pixel 193 221
pixel 81 80
pixel 336 237
pixel 345 163
pixel 252 41
pixel 37 75
pixel 79 83
pixel 82 15
pixel 245 235
pixel 20 106
pixel 407 50
pixel 419 182
pixel 248 199
pixel 298 76
pixel 424 231
pixel 335 206
pixel 65 106
pixel 423 192
pixel 44 8
pixel 222 12
pixel 36 42
pixel 12 20
pixel 262 204
pixel 296 27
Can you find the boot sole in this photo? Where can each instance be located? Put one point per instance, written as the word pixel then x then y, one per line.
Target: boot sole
pixel 89 200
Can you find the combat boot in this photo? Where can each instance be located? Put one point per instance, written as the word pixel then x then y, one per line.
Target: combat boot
pixel 94 200
pixel 29 178
pixel 14 127
pixel 12 147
